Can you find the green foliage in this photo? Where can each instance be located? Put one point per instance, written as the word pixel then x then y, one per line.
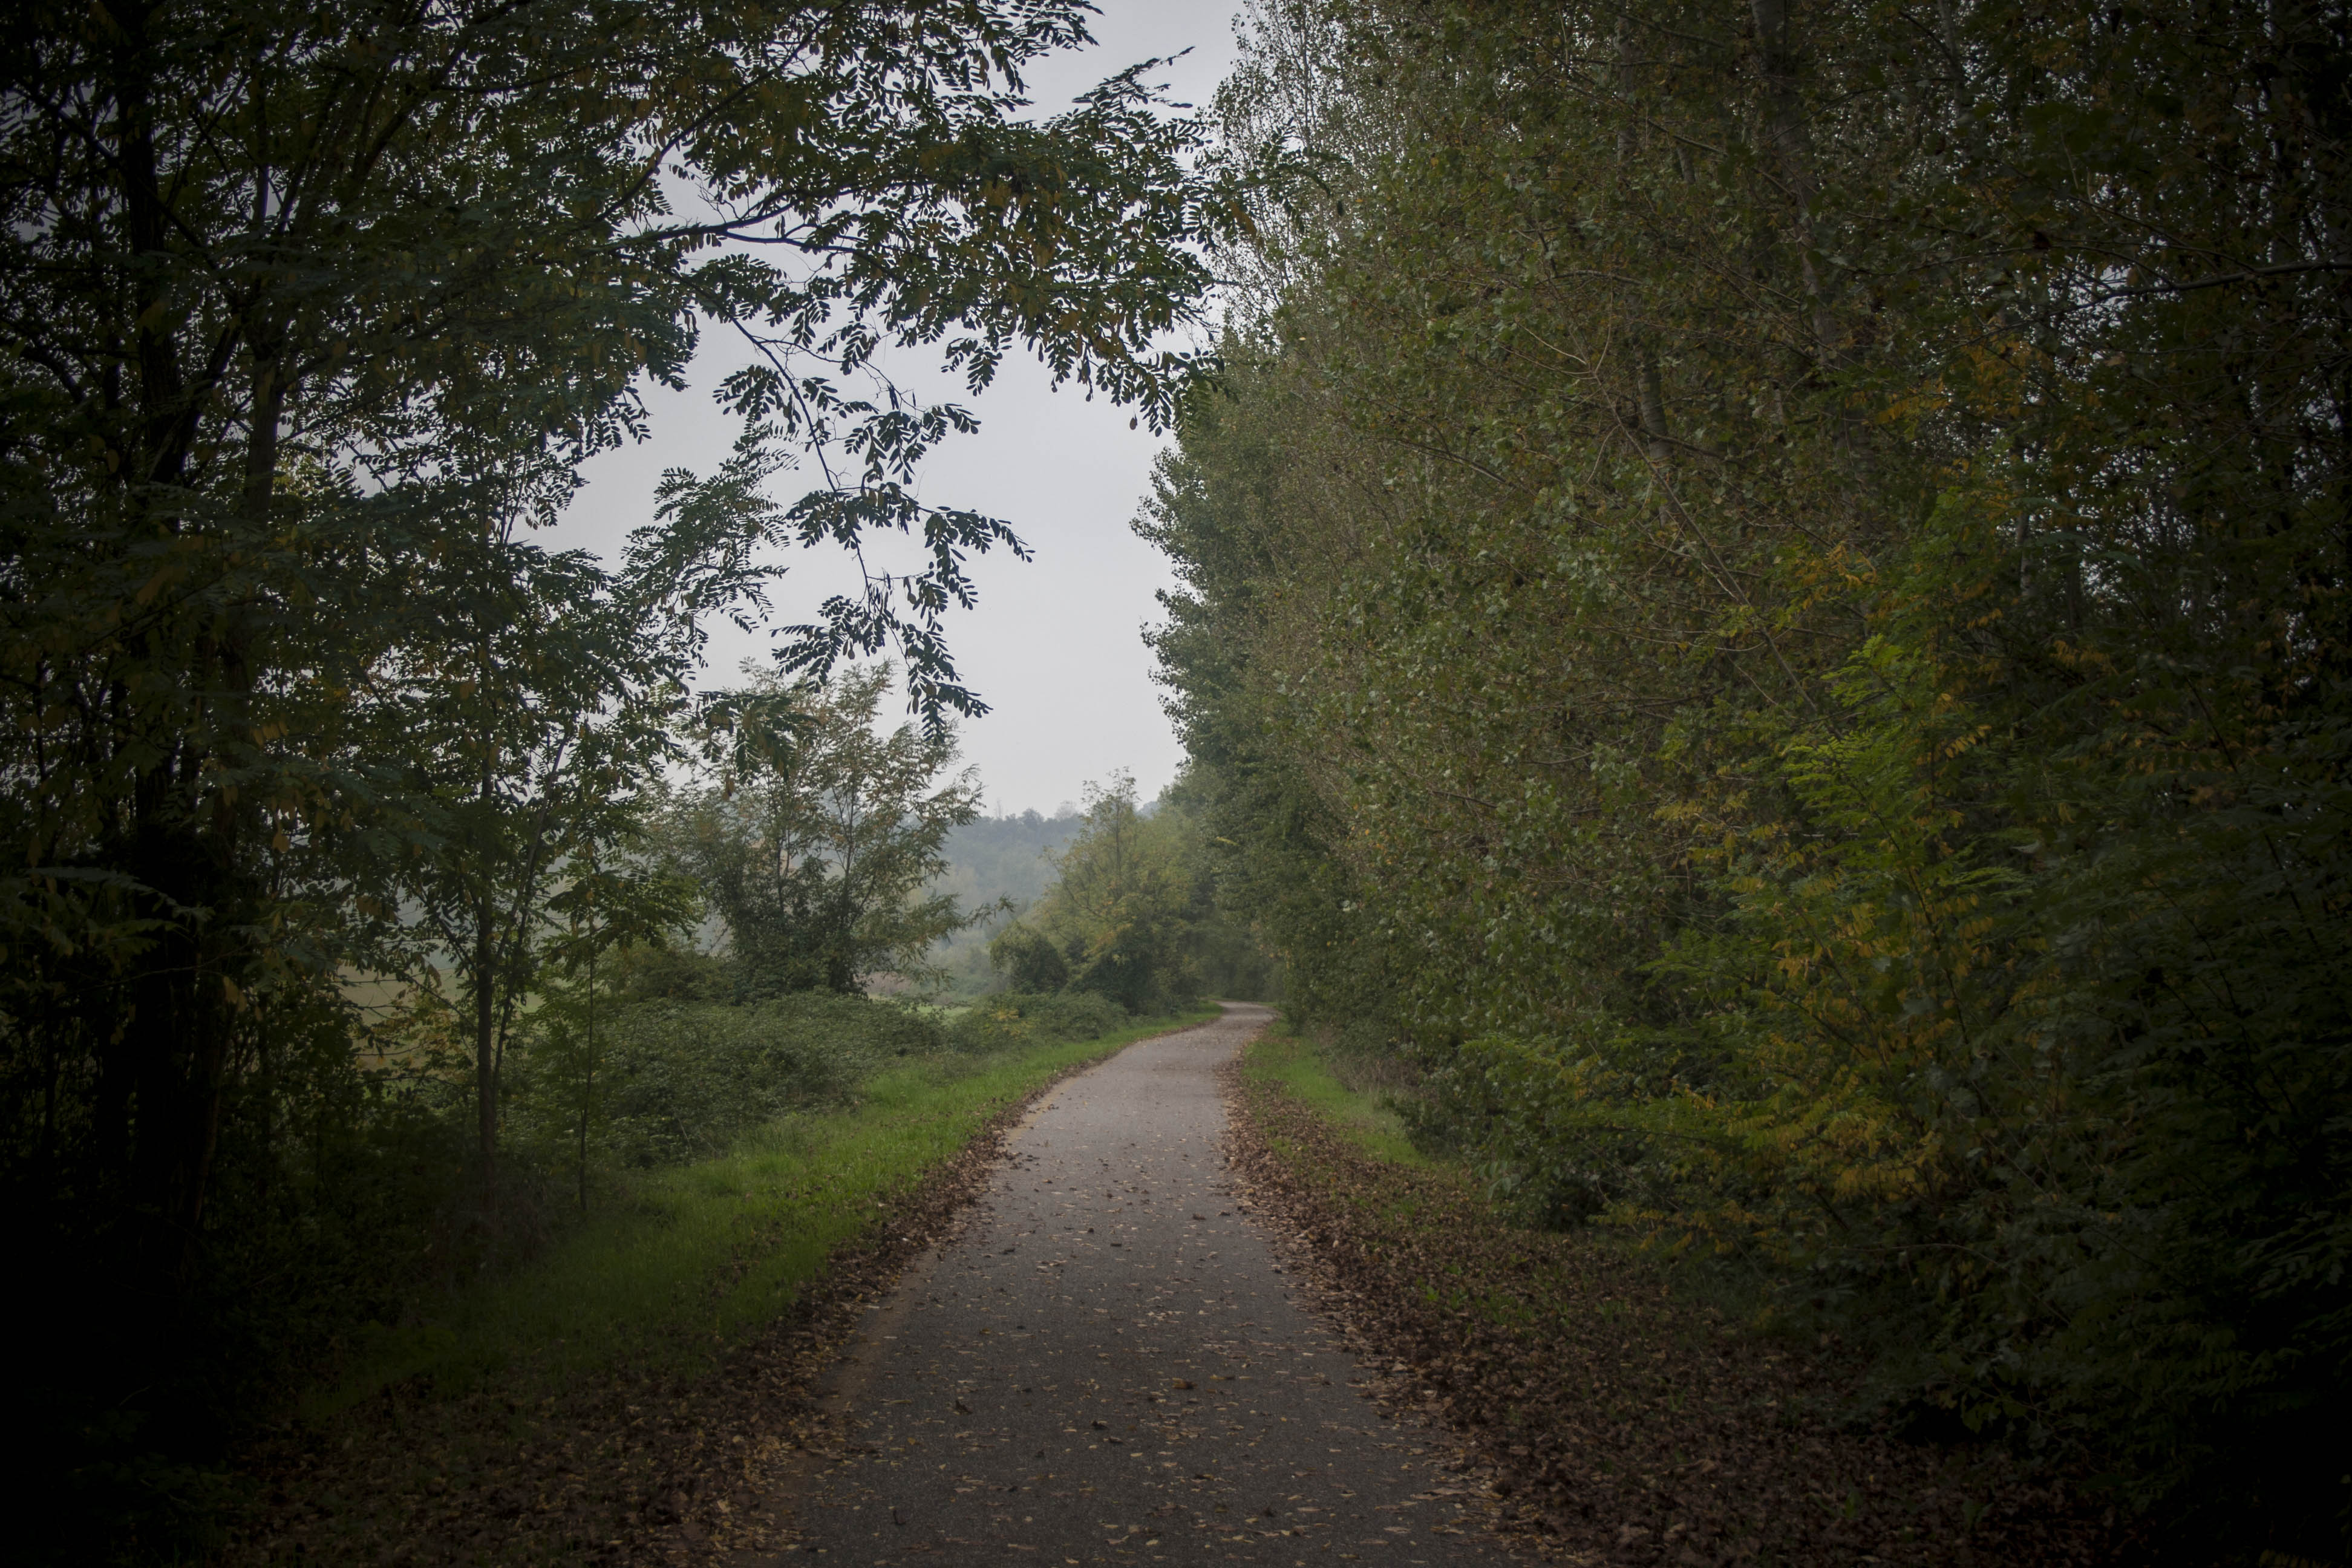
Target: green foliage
pixel 817 838
pixel 310 316
pixel 1008 1020
pixel 1132 913
pixel 528 729
pixel 1744 608
pixel 1029 960
pixel 673 1082
pixel 665 972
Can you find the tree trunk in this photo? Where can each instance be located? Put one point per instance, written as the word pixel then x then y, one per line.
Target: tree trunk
pixel 486 1067
pixel 164 1046
pixel 1791 143
pixel 588 1068
pixel 1654 401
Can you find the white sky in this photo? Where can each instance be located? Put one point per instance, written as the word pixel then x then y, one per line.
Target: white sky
pixel 1055 645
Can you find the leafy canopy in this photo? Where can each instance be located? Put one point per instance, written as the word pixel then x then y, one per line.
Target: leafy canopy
pixel 818 844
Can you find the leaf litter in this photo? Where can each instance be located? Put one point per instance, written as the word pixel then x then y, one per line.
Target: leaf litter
pixel 1618 1423
pixel 1605 1421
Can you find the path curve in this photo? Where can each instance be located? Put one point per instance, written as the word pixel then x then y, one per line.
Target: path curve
pixel 1109 1366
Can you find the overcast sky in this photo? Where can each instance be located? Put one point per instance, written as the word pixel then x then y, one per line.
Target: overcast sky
pixel 1054 646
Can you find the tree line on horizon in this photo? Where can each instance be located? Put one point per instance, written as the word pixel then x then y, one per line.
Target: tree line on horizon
pixel 1133 914
pixel 1007 858
pixel 1765 596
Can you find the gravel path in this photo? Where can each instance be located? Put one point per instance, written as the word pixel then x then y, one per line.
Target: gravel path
pixel 1108 1367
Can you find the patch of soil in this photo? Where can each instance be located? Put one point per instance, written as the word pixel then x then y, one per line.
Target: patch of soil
pixel 635 1467
pixel 1624 1426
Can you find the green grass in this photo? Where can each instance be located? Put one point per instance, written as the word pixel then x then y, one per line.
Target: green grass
pixel 1298 1065
pixel 703 1255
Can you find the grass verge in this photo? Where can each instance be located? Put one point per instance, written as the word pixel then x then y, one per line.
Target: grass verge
pixel 614 1399
pixel 699 1256
pixel 1625 1422
pixel 1298 1068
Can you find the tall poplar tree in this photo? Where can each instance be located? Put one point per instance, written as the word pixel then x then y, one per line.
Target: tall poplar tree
pixel 1765 595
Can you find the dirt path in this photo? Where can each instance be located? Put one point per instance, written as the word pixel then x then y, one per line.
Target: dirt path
pixel 1109 1366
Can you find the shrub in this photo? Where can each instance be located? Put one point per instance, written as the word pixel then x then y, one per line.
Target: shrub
pixel 1028 958
pixel 673 1081
pixel 1014 1019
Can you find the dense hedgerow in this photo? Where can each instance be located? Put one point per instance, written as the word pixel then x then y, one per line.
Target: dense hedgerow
pixel 1767 595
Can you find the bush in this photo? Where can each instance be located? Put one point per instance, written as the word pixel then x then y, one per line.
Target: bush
pixel 672 1082
pixel 644 972
pixel 1028 958
pixel 1013 1018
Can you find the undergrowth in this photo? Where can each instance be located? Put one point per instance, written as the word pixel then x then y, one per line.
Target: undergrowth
pixel 1306 1070
pixel 1631 1420
pixel 696 1256
pixel 611 1401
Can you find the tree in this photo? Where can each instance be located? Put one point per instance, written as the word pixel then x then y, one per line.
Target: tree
pixel 816 836
pixel 303 304
pixel 527 734
pixel 1029 960
pixel 1119 910
pixel 1764 593
pixel 297 297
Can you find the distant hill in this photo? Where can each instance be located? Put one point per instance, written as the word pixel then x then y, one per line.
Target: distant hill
pixel 997 858
pixel 1005 857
